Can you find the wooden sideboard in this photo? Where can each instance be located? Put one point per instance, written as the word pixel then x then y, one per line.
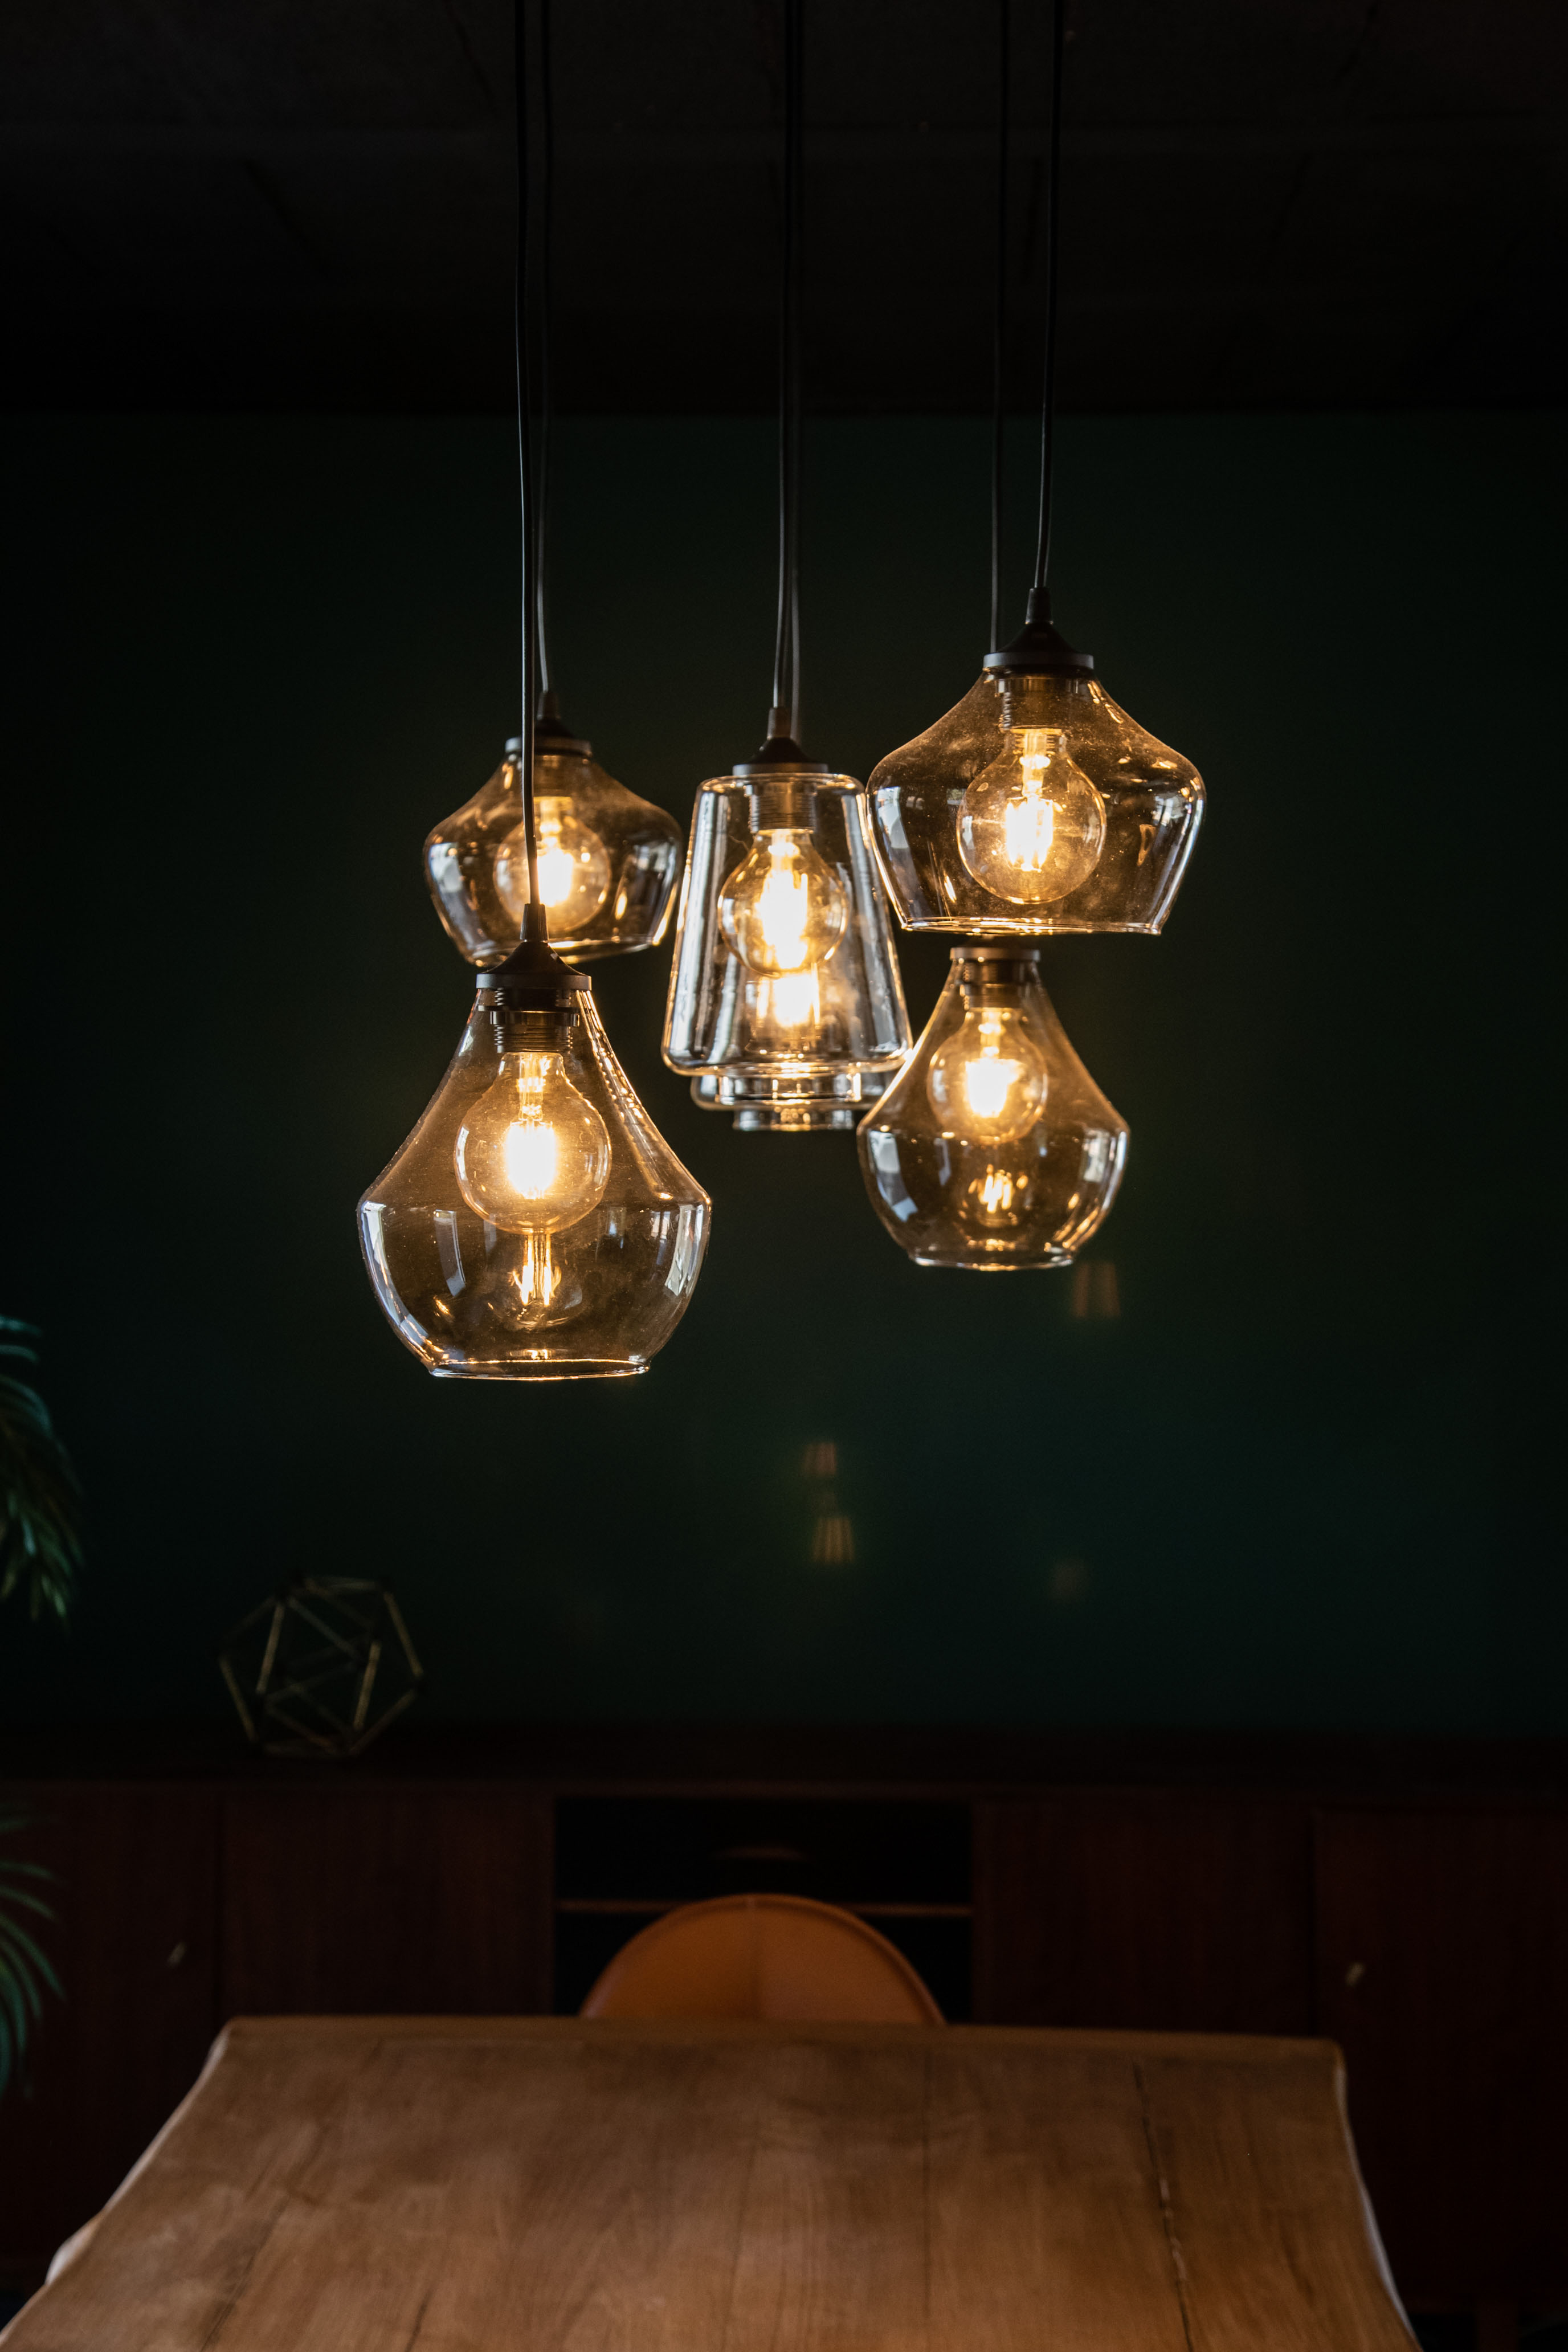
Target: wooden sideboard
pixel 1408 1899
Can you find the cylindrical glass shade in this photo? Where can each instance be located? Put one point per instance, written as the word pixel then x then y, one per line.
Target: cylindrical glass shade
pixel 994 1149
pixel 786 1117
pixel 607 861
pixel 785 1003
pixel 973 834
pixel 536 1226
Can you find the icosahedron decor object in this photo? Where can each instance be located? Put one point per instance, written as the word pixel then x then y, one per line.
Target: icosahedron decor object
pixel 322 1667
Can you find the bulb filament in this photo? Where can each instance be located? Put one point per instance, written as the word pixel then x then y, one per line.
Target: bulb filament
pixel 794 1001
pixel 784 909
pixel 990 1078
pixel 536 1278
pixel 1029 822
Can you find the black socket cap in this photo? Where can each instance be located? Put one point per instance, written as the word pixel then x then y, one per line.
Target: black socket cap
pixel 1039 650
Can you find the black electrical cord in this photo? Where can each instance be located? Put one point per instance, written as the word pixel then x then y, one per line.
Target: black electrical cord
pixel 999 330
pixel 533 925
pixel 1053 208
pixel 546 243
pixel 784 717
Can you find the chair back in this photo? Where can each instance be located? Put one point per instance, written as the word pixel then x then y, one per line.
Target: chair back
pixel 773 1956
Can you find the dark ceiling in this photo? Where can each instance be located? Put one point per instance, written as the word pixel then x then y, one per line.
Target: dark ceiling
pixel 306 204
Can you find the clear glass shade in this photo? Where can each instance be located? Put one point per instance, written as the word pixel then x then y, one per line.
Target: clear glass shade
pixel 785 1005
pixel 536 1226
pixel 608 862
pixel 1034 806
pixel 994 1149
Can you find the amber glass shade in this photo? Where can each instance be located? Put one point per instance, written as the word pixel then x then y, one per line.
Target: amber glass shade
pixel 607 862
pixel 785 1004
pixel 945 807
pixel 536 1226
pixel 994 1149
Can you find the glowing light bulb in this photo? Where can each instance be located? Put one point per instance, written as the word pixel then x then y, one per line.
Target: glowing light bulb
pixel 1000 1196
pixel 1032 827
pixel 532 1156
pixel 988 1082
pixel 783 909
pixel 575 873
pixel 992 1148
pixel 793 1003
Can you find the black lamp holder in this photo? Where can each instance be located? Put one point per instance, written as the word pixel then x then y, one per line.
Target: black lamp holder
pixel 781 755
pixel 531 998
pixel 995 975
pixel 1039 649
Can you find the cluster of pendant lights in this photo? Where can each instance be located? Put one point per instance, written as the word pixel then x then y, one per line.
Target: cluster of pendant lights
pixel 536 1226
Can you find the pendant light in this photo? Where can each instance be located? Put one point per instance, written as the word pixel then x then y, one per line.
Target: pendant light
pixel 1037 805
pixel 607 862
pixel 785 1005
pixel 994 1149
pixel 536 1226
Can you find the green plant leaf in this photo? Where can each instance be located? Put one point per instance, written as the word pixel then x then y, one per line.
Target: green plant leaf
pixel 27 1972
pixel 40 1502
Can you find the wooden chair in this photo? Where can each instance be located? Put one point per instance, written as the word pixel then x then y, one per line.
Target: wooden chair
pixel 768 1955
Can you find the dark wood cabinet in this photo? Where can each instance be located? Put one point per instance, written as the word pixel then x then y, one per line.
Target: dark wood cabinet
pixel 134 1944
pixel 1442 1954
pixel 374 1898
pixel 1163 1910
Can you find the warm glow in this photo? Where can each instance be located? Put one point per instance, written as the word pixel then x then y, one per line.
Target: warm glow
pixel 575 873
pixel 1032 826
pixel 784 909
pixel 794 1001
pixel 994 1192
pixel 536 1278
pixel 533 1155
pixel 991 1081
pixel 557 874
pixel 1029 821
pixel 988 1081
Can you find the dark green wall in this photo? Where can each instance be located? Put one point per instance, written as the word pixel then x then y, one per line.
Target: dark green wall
pixel 1303 1478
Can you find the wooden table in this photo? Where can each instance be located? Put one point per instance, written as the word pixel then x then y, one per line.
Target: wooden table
pixel 553 2184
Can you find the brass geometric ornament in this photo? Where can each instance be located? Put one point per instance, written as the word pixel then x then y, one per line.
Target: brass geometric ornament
pixel 321 1666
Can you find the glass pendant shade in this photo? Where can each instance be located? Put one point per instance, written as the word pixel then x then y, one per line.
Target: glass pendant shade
pixel 536 1226
pixel 785 1005
pixel 994 1149
pixel 608 862
pixel 1034 806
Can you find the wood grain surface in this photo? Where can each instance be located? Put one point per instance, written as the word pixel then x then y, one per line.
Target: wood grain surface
pixel 556 2185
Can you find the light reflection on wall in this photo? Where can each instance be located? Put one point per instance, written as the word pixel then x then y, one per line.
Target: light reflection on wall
pixel 832 1529
pixel 1095 1296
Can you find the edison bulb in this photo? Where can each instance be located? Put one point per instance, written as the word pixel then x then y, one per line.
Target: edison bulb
pixel 783 909
pixel 533 1155
pixel 998 1198
pixel 573 868
pixel 988 1082
pixel 1032 826
pixel 790 1007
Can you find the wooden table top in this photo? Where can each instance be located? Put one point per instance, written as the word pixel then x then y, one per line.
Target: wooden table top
pixel 559 2185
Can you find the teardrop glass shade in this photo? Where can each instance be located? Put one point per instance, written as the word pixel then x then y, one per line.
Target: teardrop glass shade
pixel 1152 798
pixel 535 1298
pixel 609 861
pixel 995 1149
pixel 785 1004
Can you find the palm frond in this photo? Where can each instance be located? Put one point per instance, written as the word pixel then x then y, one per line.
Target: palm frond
pixel 27 1972
pixel 40 1502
